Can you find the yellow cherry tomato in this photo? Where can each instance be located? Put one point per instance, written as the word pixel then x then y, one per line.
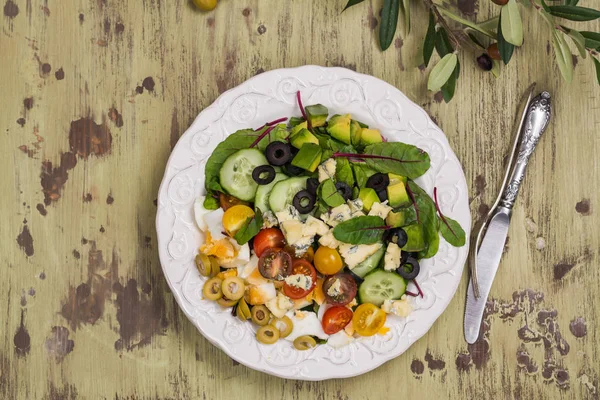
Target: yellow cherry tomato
pixel 328 261
pixel 368 319
pixel 235 217
pixel 205 5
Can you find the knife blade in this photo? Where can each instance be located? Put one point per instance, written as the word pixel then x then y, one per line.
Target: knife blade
pixel 490 252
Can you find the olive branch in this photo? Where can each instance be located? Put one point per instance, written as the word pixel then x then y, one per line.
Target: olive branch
pixel 493 41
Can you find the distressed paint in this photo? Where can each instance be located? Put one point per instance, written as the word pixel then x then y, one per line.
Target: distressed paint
pixel 100 115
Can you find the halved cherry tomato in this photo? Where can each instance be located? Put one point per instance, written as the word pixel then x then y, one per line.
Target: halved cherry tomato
pixel 301 267
pixel 328 261
pixel 275 264
pixel 342 294
pixel 268 239
pixel 335 319
pixel 227 201
pixel 235 217
pixel 368 319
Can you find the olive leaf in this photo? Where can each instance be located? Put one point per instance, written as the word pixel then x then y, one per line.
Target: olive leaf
pixel 597 65
pixel 564 58
pixel 481 28
pixel 360 230
pixel 578 39
pixel 442 43
pixel 571 2
pixel 251 227
pixel 389 21
pixel 548 18
pixel 506 49
pixel 512 26
pixel 495 68
pixel 545 6
pixel 429 43
pixel 592 40
pixel 450 87
pixel 405 14
pixel 490 25
pixel 352 3
pixel 442 72
pixel 574 13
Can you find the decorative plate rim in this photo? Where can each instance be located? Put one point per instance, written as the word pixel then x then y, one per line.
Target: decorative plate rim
pixel 332 371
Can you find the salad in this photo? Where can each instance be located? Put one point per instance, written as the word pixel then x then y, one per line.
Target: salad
pixel 314 227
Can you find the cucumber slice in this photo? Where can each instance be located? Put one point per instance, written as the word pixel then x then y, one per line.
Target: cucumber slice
pixel 381 285
pixel 369 264
pixel 284 191
pixel 264 191
pixel 236 173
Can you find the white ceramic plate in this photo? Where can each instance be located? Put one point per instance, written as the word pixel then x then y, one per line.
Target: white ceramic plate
pixel 267 97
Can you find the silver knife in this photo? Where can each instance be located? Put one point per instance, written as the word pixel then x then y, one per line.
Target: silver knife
pixel 489 254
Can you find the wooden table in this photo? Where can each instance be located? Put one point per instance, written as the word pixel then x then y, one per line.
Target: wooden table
pixel 94 95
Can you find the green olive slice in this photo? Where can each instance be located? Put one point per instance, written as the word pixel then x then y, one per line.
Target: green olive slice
pixel 267 334
pixel 243 311
pixel 260 315
pixel 216 268
pixel 305 342
pixel 284 325
pixel 223 302
pixel 203 264
pixel 212 289
pixel 233 288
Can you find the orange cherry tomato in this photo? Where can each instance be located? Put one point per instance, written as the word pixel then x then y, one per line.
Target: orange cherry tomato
pixel 268 239
pixel 235 217
pixel 328 261
pixel 335 319
pixel 368 319
pixel 301 267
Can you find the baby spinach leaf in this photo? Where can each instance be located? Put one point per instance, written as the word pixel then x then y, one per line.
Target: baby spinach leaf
pixel 343 171
pixel 250 228
pixel 428 218
pixel 397 158
pixel 362 173
pixel 452 232
pixel 236 141
pixel 210 203
pixel 329 193
pixel 360 230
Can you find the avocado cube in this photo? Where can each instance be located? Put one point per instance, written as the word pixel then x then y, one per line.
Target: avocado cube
pixel 309 157
pixel 355 133
pixel 295 121
pixel 396 219
pixel 397 195
pixel 416 239
pixel 394 179
pixel 368 197
pixel 301 137
pixel 316 114
pixel 298 128
pixel 370 136
pixel 339 127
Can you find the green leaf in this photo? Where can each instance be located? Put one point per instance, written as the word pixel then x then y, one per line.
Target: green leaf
pixel 405 14
pixel 442 72
pixel 329 194
pixel 449 87
pixel 343 171
pixel 477 27
pixel 428 218
pixel 360 230
pixel 210 203
pixel 597 65
pixel 389 21
pixel 251 227
pixel 545 6
pixel 564 58
pixel 512 26
pixel 506 49
pixel 362 173
pixel 491 25
pixel 549 19
pixel 295 121
pixel 442 43
pixel 592 40
pixel 579 41
pixel 278 134
pixel 397 158
pixel 571 2
pixel 574 13
pixel 429 40
pixel 236 141
pixel 452 232
pixel 352 3
pixel 495 68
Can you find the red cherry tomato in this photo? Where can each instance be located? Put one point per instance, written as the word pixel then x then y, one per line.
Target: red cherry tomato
pixel 275 264
pixel 301 267
pixel 345 290
pixel 268 239
pixel 336 318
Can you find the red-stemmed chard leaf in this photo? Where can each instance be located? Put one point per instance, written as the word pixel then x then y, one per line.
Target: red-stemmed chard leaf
pixel 450 229
pixel 418 287
pixel 411 294
pixel 262 135
pixel 360 230
pixel 277 121
pixel 303 111
pixel 412 198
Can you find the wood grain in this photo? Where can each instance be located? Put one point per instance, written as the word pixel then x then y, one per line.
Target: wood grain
pixel 95 94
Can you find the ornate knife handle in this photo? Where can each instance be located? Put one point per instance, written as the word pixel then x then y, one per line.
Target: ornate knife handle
pixel 536 122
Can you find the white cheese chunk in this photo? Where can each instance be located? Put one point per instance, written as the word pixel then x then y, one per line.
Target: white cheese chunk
pixel 356 207
pixel 279 305
pixel 354 254
pixel 335 289
pixel 288 214
pixel 269 219
pixel 392 257
pixel 292 230
pixel 302 245
pixel 299 281
pixel 314 226
pixel 329 240
pixel 327 170
pixel 401 308
pixel 380 209
pixel 339 214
